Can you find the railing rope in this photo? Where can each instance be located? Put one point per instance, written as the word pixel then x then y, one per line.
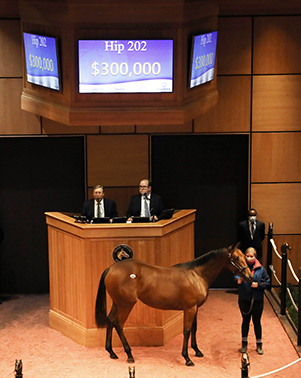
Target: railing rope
pixel 277 370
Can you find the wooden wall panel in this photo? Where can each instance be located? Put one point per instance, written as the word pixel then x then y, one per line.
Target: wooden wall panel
pixel 51 127
pixel 9 8
pixel 259 7
pixel 234 46
pixel 154 129
pixel 13 120
pixel 276 157
pixel 10 49
pixel 279 204
pixel 117 160
pixel 277 45
pixel 276 103
pixel 232 113
pixel 118 129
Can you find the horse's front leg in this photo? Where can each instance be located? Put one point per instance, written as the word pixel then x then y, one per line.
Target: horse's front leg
pixel 189 316
pixel 194 346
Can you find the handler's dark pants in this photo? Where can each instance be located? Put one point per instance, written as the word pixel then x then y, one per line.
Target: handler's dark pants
pixel 255 314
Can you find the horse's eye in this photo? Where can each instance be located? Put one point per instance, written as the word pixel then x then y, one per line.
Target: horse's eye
pixel 236 258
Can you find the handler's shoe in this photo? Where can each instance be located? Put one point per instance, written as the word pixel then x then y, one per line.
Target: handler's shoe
pixel 259 349
pixel 244 347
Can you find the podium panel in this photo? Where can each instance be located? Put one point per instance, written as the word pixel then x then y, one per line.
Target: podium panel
pixel 79 253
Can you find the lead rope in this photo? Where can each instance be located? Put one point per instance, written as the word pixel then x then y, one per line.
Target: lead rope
pixel 251 305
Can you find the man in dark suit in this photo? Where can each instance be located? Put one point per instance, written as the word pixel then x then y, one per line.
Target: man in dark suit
pixel 98 206
pixel 145 204
pixel 251 233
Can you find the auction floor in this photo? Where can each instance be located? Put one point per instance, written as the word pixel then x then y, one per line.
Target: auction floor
pixel 47 353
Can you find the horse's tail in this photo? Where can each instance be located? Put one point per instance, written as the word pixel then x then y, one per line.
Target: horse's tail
pixel 101 302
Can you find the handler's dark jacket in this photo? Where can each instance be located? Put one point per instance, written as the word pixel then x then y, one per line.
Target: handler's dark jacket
pixel 261 276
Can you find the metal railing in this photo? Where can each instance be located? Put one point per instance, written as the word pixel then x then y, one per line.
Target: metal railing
pixel 285 263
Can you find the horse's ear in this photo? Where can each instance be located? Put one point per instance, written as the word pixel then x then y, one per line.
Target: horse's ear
pixel 233 247
pixel 237 246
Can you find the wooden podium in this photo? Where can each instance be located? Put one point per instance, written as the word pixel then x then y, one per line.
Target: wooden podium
pixel 79 253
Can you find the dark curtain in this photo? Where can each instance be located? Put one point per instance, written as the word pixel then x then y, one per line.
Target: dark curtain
pixel 208 173
pixel 38 174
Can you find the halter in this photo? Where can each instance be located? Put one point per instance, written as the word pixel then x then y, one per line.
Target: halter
pixel 239 269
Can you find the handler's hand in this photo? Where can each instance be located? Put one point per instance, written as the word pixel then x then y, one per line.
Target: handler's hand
pixel 239 281
pixel 254 284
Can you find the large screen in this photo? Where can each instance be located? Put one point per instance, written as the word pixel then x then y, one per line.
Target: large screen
pixel 41 57
pixel 125 66
pixel 203 59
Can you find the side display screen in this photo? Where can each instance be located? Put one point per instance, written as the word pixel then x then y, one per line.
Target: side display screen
pixel 203 59
pixel 41 57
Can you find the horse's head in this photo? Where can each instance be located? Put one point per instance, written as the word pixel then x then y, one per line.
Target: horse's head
pixel 237 262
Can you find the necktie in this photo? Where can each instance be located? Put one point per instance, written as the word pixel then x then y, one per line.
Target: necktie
pixel 146 210
pixel 98 209
pixel 253 229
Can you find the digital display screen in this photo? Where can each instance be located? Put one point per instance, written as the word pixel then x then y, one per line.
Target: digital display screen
pixel 41 59
pixel 203 59
pixel 125 66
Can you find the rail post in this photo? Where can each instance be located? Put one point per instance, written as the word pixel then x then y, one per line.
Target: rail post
pixel 299 308
pixel 284 248
pixel 131 371
pixel 270 250
pixel 245 362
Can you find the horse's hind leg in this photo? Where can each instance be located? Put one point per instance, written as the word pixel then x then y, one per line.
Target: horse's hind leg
pixel 194 346
pixel 116 319
pixel 112 315
pixel 122 317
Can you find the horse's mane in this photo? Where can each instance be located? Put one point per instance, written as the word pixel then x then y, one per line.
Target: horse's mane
pixel 201 260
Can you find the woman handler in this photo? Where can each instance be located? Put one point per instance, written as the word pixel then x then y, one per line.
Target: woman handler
pixel 251 299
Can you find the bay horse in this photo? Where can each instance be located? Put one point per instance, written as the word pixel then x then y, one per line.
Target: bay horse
pixel 183 286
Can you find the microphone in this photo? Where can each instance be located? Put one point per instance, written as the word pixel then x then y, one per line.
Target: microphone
pixel 145 195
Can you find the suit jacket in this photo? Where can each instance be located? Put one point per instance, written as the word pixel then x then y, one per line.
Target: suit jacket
pixel 245 237
pixel 109 206
pixel 156 205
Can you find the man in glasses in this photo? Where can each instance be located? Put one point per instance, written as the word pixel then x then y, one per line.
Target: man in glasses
pixel 146 203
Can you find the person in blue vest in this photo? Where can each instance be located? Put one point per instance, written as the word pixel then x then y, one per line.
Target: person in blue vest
pixel 251 299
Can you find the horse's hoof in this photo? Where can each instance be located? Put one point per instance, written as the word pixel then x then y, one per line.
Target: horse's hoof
pixel 114 356
pixel 189 363
pixel 131 360
pixel 199 354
